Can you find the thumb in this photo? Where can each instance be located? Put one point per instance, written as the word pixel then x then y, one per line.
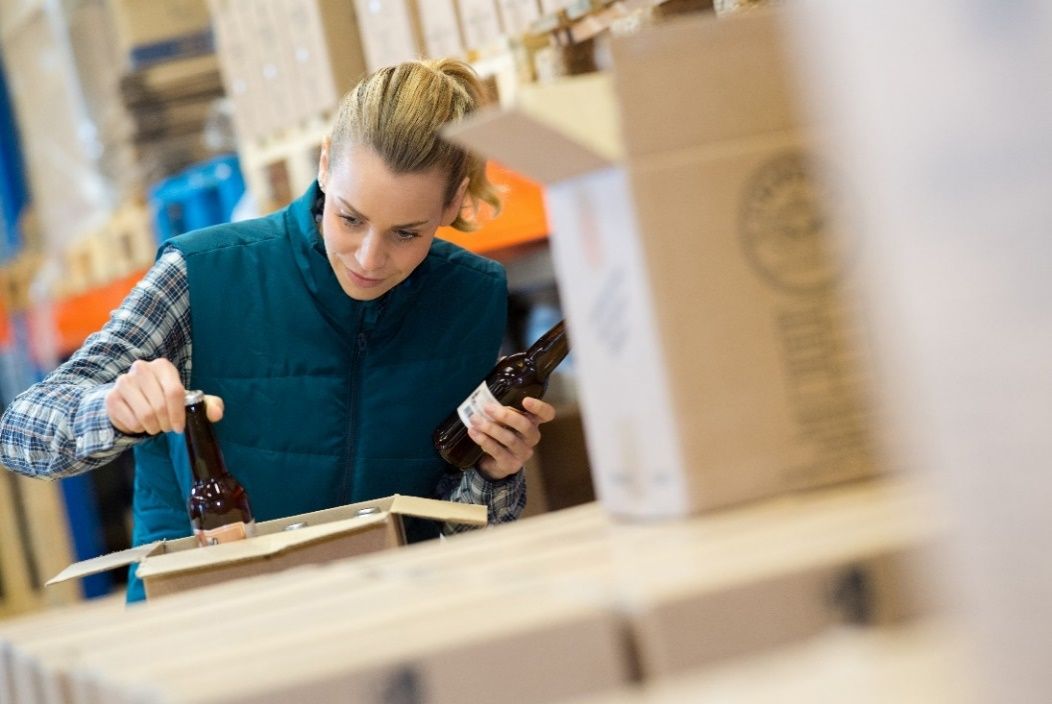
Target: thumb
pixel 214 408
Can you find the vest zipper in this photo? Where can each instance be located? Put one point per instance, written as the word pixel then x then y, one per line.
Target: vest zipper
pixel 356 383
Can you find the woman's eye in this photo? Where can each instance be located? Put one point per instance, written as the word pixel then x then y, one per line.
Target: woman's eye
pixel 351 220
pixel 406 234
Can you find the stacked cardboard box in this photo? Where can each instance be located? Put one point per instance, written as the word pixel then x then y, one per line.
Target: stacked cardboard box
pixel 720 360
pixel 920 664
pixel 34 537
pixel 151 32
pixel 169 106
pixel 950 154
pixel 563 605
pixel 285 63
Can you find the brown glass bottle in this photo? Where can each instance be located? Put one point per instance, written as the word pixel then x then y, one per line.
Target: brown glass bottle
pixel 515 378
pixel 218 505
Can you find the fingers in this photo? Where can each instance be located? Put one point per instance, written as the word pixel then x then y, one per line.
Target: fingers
pixel 214 408
pixel 130 388
pixel 121 415
pixel 543 412
pixel 501 461
pixel 507 436
pixel 148 398
pixel 174 395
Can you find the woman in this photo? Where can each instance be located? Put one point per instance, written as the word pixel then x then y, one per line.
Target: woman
pixel 334 334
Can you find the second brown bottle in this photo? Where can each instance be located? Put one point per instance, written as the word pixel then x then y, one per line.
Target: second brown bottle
pixel 515 378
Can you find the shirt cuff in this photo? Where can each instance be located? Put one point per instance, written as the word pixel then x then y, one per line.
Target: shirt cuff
pixel 495 483
pixel 92 428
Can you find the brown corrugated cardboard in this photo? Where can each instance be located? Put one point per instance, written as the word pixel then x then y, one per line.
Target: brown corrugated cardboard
pixel 312 614
pixel 566 476
pixel 42 658
pixel 389 31
pixel 238 71
pixel 438 652
pixel 171 566
pixel 689 594
pixel 275 80
pixel 941 110
pixel 326 49
pixel 918 664
pixel 719 362
pixel 152 31
pixel 723 585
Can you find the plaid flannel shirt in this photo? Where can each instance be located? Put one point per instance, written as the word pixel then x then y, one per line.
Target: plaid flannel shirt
pixel 60 427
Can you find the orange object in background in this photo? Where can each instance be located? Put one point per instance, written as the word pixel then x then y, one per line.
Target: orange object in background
pixel 78 316
pixel 522 220
pixel 5 328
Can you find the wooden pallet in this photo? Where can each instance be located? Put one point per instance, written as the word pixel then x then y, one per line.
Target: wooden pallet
pixel 17 276
pixel 124 243
pixel 280 167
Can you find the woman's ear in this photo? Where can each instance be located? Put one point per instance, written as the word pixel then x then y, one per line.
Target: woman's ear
pixel 323 164
pixel 452 211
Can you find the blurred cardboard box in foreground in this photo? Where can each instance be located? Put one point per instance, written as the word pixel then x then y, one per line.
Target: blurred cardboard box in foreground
pixel 719 359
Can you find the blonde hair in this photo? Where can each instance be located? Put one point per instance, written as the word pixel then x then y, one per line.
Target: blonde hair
pixel 397 111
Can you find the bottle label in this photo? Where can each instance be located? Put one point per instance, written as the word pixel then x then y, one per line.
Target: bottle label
pixel 476 403
pixel 225 534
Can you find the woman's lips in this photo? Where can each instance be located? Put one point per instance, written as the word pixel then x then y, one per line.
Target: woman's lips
pixel 362 281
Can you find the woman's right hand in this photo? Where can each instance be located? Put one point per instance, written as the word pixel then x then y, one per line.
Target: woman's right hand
pixel 150 398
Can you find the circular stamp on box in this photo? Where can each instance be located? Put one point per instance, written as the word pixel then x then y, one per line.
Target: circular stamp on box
pixel 784 226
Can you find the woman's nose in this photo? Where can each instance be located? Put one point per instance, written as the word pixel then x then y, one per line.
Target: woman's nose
pixel 370 254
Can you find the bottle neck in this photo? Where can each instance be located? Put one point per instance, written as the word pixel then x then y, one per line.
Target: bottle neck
pixel 549 350
pixel 206 460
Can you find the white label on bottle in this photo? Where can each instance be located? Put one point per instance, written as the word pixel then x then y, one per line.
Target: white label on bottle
pixel 226 533
pixel 476 403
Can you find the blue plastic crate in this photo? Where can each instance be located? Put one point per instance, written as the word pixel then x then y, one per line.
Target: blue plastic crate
pixel 204 194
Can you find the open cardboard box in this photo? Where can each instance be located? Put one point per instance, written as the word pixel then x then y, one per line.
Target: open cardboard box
pixel 171 566
pixel 720 360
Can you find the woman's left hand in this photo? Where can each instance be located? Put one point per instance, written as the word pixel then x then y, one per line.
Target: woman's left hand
pixel 509 438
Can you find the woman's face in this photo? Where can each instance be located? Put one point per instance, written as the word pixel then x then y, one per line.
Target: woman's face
pixel 378 225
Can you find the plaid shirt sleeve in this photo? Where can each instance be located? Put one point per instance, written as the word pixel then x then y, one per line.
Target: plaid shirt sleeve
pixel 59 427
pixel 505 498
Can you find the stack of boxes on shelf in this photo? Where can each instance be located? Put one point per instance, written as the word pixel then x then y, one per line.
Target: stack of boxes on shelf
pixel 110 95
pixel 286 64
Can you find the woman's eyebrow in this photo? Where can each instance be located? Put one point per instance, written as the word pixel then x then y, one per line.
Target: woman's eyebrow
pixel 363 216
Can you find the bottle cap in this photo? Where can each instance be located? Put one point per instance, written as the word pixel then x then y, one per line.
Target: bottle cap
pixel 193 397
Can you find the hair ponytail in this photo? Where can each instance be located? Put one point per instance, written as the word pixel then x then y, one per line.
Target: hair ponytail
pixel 397 111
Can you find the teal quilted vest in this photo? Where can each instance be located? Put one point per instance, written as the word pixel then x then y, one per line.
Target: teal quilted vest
pixel 328 400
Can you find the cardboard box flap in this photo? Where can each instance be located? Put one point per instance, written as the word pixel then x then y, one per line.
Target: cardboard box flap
pixel 703 80
pixel 467 514
pixel 261 546
pixel 553 132
pixel 104 563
